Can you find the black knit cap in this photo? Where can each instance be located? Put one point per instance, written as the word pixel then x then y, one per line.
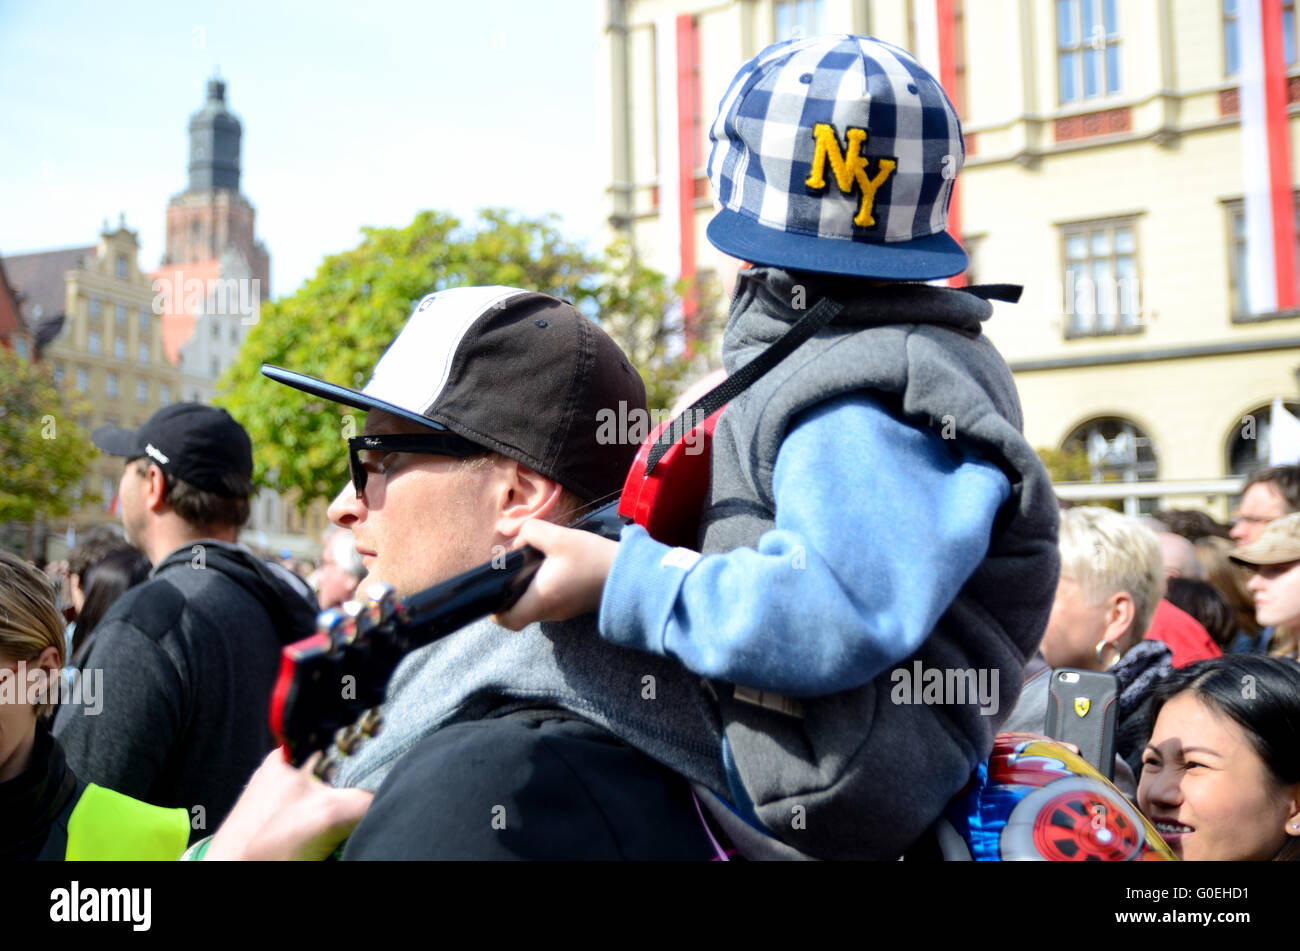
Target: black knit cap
pixel 196 443
pixel 521 373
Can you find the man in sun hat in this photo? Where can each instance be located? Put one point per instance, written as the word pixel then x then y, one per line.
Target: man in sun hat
pixel 874 510
pixel 547 743
pixel 189 657
pixel 1275 556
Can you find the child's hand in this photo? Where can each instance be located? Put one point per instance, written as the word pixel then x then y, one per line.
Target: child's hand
pixel 570 580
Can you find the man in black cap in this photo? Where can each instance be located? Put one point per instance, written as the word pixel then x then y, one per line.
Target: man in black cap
pixel 189 657
pixel 545 743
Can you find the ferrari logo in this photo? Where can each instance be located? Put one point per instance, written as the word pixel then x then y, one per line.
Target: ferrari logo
pixel 1081 705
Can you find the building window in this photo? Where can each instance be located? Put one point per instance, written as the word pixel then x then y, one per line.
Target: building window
pixel 164 394
pixel 1248 446
pixel 142 391
pixel 58 373
pixel 94 307
pixel 119 348
pixel 144 351
pixel 1100 277
pixel 121 265
pixel 1232 35
pixel 110 493
pixel 145 324
pixel 83 383
pixel 1239 291
pixel 1117 451
pixel 796 18
pixel 1231 38
pixel 110 386
pixel 216 368
pixel 92 343
pixel 1087 49
pixel 216 330
pixel 121 315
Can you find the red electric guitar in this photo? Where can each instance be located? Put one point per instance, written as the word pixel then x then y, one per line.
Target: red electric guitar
pixel 331 684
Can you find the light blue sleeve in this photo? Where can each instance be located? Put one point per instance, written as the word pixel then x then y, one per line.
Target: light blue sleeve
pixel 878 525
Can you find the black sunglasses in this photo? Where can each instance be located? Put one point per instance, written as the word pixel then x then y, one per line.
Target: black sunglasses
pixel 368 452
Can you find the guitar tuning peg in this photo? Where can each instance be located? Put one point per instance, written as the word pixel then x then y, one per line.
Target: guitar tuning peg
pixel 379 592
pixel 327 768
pixel 326 621
pixel 345 632
pixel 347 739
pixel 371 722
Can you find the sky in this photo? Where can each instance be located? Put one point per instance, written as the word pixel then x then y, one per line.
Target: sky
pixel 353 114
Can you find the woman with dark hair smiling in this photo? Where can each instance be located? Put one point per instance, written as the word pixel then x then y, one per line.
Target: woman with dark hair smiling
pixel 1221 772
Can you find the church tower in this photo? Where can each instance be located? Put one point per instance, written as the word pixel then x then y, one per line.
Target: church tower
pixel 211 219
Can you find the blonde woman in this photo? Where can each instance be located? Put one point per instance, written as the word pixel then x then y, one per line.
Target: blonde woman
pixel 48 813
pixel 1112 581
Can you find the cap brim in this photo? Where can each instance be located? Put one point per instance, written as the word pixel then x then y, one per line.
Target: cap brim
pixel 344 395
pixel 117 441
pixel 921 259
pixel 1255 559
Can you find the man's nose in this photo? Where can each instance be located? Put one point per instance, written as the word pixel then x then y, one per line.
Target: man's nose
pixel 346 509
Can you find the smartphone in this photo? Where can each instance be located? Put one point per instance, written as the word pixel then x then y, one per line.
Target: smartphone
pixel 1083 709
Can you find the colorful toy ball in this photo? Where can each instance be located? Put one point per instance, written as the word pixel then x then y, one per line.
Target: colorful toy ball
pixel 1034 800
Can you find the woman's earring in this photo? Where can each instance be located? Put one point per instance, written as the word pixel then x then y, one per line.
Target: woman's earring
pixel 1101 646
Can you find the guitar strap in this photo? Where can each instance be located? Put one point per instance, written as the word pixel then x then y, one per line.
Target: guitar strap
pixel 818 316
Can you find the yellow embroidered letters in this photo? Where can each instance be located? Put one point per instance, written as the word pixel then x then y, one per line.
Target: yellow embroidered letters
pixel 848 168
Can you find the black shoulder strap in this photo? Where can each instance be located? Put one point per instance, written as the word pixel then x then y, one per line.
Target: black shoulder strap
pixel 818 316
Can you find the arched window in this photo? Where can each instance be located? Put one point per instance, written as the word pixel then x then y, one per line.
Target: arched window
pixel 1117 451
pixel 1251 435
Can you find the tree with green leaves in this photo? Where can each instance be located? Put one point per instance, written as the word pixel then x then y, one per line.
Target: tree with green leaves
pixel 338 324
pixel 43 452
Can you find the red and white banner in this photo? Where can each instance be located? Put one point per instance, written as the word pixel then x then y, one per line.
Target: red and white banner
pixel 1270 281
pixel 936 50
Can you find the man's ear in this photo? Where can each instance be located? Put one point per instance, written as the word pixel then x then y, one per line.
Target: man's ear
pixel 155 490
pixel 523 494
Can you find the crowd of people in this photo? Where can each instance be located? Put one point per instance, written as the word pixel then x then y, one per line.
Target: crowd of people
pixel 872 504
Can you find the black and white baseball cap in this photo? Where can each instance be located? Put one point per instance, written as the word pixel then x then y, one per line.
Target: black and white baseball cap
pixel 837 154
pixel 517 372
pixel 190 441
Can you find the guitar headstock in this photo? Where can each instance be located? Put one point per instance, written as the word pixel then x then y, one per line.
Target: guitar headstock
pixel 332 679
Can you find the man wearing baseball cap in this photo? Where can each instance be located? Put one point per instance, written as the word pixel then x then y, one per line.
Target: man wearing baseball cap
pixel 190 656
pixel 547 743
pixel 875 511
pixel 1275 556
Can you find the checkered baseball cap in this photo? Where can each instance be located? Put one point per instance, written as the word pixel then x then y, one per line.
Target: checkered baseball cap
pixel 837 154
